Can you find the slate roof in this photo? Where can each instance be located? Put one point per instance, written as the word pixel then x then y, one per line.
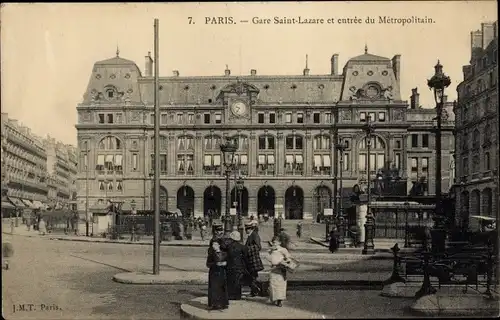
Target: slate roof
pixel 369 57
pixel 115 62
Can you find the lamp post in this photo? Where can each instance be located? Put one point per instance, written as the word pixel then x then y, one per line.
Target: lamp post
pixel 369 247
pixel 406 208
pixel 134 212
pixel 343 228
pixel 87 218
pixel 228 149
pixel 239 188
pixel 438 83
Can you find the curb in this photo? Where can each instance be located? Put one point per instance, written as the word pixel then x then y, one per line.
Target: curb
pixel 347 250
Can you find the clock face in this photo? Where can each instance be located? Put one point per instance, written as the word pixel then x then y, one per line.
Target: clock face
pixel 239 108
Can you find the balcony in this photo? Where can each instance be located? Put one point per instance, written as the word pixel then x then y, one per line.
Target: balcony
pixel 322 171
pixel 212 170
pixel 189 172
pixel 266 170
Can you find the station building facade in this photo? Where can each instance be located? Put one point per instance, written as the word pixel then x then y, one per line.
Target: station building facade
pixel 283 126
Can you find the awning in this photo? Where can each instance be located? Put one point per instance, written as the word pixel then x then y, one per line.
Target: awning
pixel 262 159
pixel 17 202
pixel 326 160
pixel 7 205
pixel 118 160
pixel 484 218
pixel 56 213
pixel 100 160
pixel 216 159
pixel 208 160
pixel 28 203
pixel 244 159
pixel 299 159
pixel 317 161
pixel 270 159
pixel 37 204
pixel 289 158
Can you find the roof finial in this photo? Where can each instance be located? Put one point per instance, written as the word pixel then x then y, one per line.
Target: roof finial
pixel 117 51
pixel 227 67
pixel 366 48
pixel 307 58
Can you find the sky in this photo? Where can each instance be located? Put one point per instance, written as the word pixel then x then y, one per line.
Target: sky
pixel 48 50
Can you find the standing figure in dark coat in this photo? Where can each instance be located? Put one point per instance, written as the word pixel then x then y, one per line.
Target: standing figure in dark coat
pixel 217 280
pixel 237 255
pixel 254 261
pixel 334 244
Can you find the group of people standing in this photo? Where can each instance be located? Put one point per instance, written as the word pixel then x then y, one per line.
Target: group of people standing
pixel 233 265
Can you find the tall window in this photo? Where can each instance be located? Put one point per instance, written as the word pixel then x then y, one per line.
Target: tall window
pixel 487 136
pixel 377 154
pixel 475 139
pixel 321 149
pixel 425 167
pixel 475 164
pixel 241 155
pixel 110 156
pixel 265 159
pixel 397 160
pixel 414 140
pixel 294 161
pixel 425 140
pixel 185 155
pixel 212 157
pixel 163 154
pixel 465 166
pixel 465 142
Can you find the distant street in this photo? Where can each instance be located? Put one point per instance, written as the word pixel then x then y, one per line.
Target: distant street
pixel 76 278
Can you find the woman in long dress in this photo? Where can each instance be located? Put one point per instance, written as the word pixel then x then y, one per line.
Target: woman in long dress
pixel 217 280
pixel 42 227
pixel 278 255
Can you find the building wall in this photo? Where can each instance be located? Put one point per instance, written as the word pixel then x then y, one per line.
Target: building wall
pixel 117 109
pixel 26 161
pixel 477 128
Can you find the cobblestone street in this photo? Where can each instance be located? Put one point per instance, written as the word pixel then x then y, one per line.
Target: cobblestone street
pixel 76 278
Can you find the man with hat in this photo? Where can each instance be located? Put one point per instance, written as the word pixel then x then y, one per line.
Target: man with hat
pixel 284 238
pixel 255 265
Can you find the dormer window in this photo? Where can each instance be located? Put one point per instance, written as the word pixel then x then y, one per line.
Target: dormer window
pixel 110 93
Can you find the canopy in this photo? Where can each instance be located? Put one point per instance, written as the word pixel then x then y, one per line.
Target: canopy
pixel 484 218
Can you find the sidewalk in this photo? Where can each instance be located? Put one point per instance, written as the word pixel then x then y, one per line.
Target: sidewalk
pixel 248 308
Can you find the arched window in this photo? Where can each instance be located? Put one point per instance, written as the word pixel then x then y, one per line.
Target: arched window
pixel 294 159
pixel 241 154
pixel 476 137
pixel 110 156
pixel 377 154
pixel 465 142
pixel 110 143
pixel 265 157
pixel 322 164
pixel 185 155
pixel 212 155
pixel 163 154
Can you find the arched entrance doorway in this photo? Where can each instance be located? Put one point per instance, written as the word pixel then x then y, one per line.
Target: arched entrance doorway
pixel 322 198
pixel 266 199
pixel 185 200
pixel 212 202
pixel 242 200
pixel 163 199
pixel 294 203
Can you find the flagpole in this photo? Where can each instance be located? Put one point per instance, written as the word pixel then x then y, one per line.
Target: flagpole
pixel 156 241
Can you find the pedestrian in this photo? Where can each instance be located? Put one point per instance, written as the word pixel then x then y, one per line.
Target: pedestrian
pixel 334 244
pixel 203 231
pixel 278 257
pixel 255 265
pixel 284 239
pixel 276 227
pixel 299 229
pixel 236 266
pixel 7 252
pixel 217 280
pixel 42 227
pixel 28 222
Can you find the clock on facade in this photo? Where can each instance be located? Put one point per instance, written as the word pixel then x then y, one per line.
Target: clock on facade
pixel 239 108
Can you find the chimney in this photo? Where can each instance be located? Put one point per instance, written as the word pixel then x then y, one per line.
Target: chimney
pixel 476 40
pixel 253 72
pixel 396 66
pixel 227 72
pixel 414 99
pixel 176 73
pixel 148 70
pixel 335 64
pixel 488 31
pixel 306 69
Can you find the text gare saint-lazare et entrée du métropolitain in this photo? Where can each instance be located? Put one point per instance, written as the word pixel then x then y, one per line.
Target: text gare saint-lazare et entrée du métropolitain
pixel 332 20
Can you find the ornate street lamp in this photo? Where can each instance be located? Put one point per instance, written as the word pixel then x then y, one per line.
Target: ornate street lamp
pixel 228 149
pixel 239 187
pixel 369 247
pixel 438 83
pixel 343 227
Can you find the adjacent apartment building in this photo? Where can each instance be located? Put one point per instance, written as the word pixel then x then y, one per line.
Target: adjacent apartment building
pixel 36 172
pixel 477 129
pixel 283 127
